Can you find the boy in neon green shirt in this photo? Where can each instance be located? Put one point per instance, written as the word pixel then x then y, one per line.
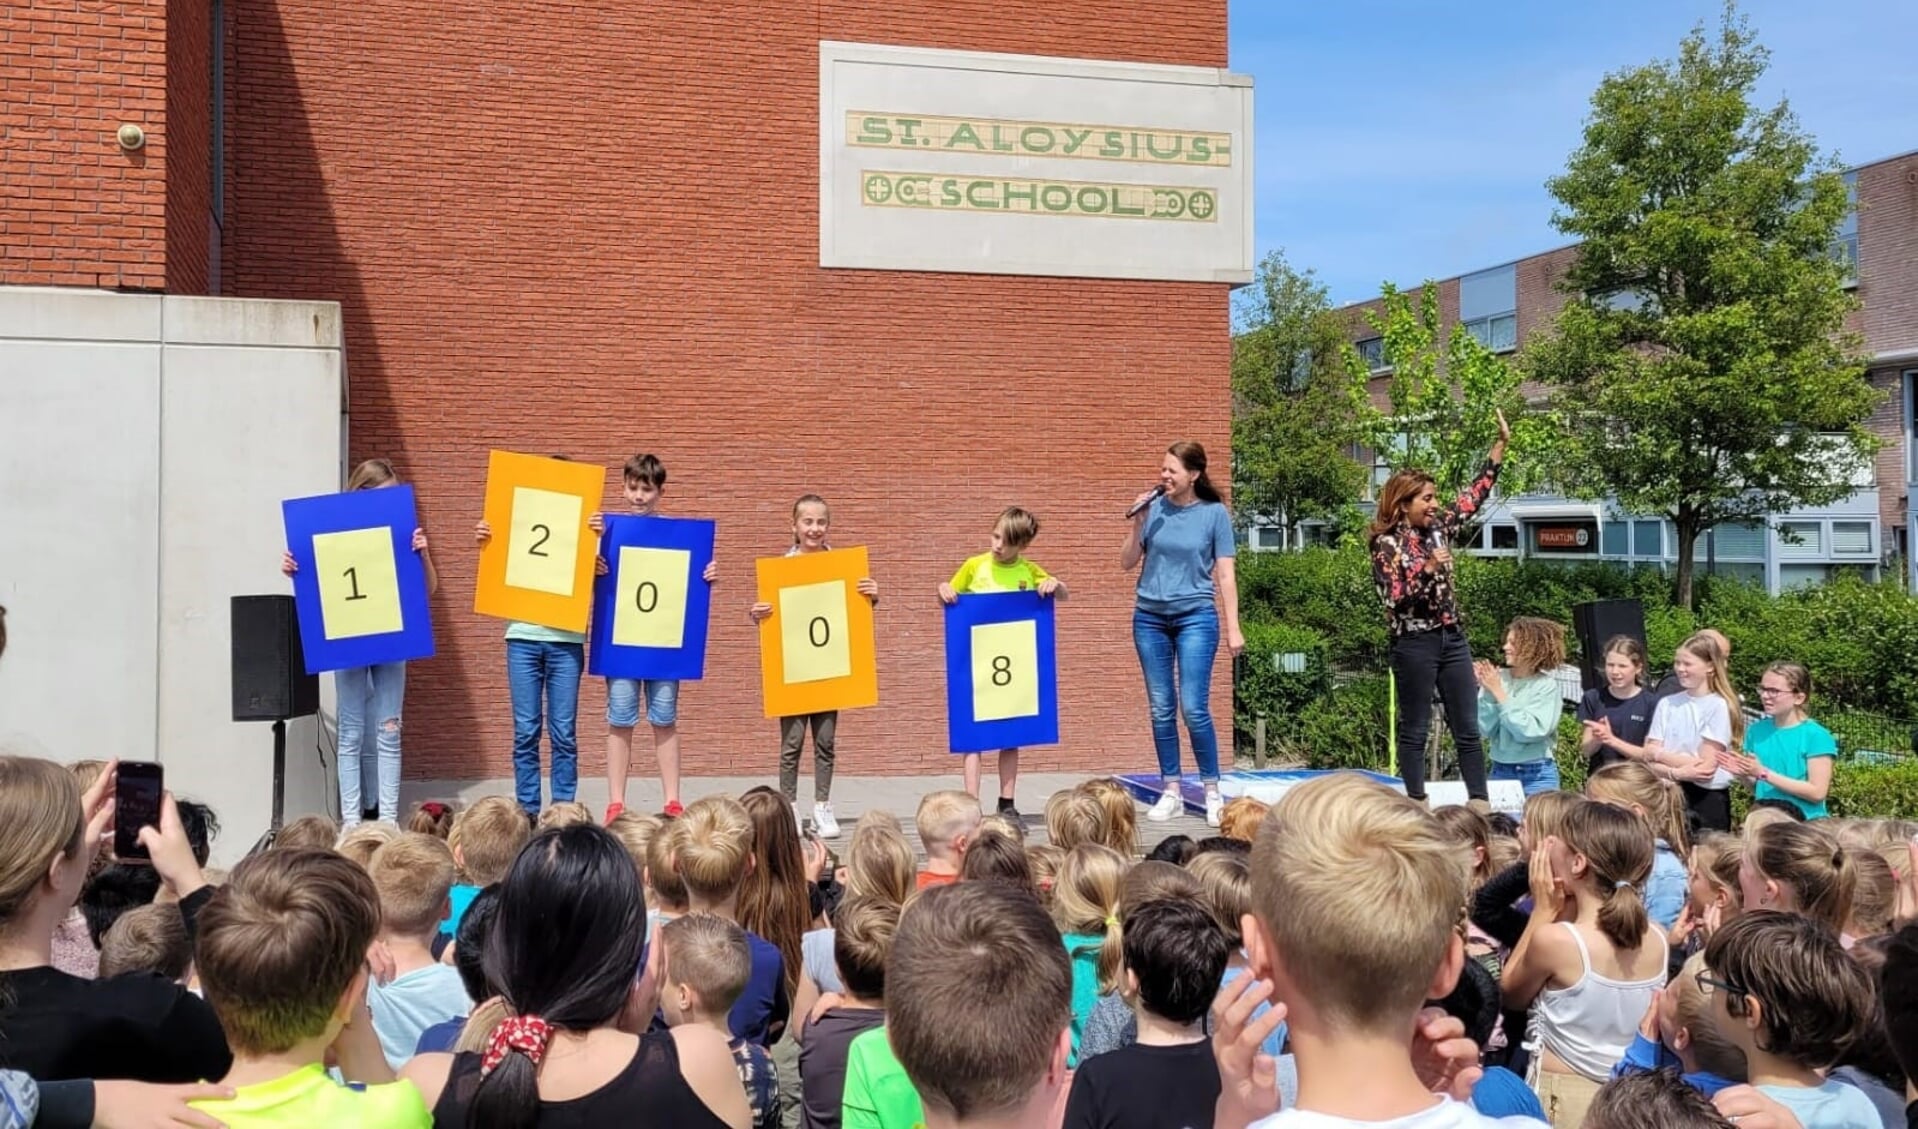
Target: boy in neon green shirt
pixel 1004 569
pixel 282 959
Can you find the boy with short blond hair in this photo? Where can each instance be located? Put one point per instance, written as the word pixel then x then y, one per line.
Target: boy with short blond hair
pixel 1358 896
pixel 413 875
pixel 147 939
pixel 705 968
pixel 665 889
pixel 712 848
pixel 485 840
pixel 282 959
pixel 946 821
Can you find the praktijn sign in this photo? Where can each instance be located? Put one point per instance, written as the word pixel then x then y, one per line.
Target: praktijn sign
pixel 955 161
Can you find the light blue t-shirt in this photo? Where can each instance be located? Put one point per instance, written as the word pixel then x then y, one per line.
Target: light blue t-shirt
pixel 461 897
pixel 539 633
pixel 1181 545
pixel 405 1008
pixel 1833 1105
pixel 1788 752
pixel 1667 887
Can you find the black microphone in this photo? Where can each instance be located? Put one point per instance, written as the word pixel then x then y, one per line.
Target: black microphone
pixel 1157 493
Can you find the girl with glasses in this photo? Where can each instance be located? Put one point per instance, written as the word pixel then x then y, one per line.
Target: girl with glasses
pixel 1787 756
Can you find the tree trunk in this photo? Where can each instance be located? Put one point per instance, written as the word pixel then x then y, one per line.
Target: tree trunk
pixel 1685 524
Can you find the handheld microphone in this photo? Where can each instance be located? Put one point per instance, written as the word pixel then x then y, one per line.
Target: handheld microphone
pixel 1157 493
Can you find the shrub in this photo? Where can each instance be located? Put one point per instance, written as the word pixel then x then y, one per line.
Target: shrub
pixel 1864 790
pixel 1327 590
pixel 1262 688
pixel 1346 728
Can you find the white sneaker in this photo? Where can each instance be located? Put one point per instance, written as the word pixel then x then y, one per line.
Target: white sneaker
pixel 1214 804
pixel 823 822
pixel 1169 805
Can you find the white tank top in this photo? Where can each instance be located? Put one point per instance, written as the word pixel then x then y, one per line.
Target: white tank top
pixel 1590 1024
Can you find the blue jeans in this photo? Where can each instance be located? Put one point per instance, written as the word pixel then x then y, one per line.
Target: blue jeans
pixel 376 692
pixel 1533 776
pixel 1191 640
pixel 548 674
pixel 623 697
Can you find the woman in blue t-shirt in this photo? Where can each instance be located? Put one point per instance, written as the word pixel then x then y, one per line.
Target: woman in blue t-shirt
pixel 1787 755
pixel 1183 534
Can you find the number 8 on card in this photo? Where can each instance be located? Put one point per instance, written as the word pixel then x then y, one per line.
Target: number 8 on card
pixel 816 649
pixel 1002 676
pixel 359 589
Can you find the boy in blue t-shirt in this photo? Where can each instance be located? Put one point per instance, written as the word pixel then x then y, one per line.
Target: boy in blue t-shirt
pixel 1004 569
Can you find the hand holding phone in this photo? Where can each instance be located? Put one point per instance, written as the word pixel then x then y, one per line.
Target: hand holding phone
pixel 138 788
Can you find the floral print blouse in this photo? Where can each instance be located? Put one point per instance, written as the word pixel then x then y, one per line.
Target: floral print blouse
pixel 1416 599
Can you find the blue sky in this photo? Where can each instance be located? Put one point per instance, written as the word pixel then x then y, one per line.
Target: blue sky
pixel 1405 140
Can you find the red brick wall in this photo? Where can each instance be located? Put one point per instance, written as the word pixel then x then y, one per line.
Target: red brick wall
pixel 189 118
pixel 1888 254
pixel 594 230
pixel 76 210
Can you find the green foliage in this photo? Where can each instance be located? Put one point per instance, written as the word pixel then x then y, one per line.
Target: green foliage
pixel 1327 590
pixel 1295 403
pixel 1875 791
pixel 1702 369
pixel 1262 688
pixel 1444 395
pixel 1347 728
pixel 1570 758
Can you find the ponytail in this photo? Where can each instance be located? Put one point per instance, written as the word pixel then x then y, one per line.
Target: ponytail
pixel 1622 917
pixel 1617 846
pixel 1808 862
pixel 508 1095
pixel 1087 899
pixel 1192 456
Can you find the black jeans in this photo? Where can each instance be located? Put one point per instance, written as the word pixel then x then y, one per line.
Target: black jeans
pixel 1421 661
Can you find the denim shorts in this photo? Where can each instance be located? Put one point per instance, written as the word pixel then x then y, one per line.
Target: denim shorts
pixel 622 702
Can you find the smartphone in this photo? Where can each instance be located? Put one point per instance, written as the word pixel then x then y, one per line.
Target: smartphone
pixel 136 790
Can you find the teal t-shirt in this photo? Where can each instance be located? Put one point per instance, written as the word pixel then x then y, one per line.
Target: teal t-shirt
pixel 538 633
pixel 1182 543
pixel 1788 752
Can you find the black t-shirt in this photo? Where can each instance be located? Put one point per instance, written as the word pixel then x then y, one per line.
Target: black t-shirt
pixel 1631 719
pixel 822 1062
pixel 1141 1087
pixel 139 1026
pixel 649 1092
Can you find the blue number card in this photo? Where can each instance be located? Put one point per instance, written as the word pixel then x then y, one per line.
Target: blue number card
pixel 360 589
pixel 1002 672
pixel 650 610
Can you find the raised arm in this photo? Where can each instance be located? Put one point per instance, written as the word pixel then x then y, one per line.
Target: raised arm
pixel 1472 500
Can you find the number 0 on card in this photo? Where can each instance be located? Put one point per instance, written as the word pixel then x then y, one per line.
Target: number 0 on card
pixel 1002 677
pixel 650 611
pixel 816 649
pixel 538 565
pixel 359 589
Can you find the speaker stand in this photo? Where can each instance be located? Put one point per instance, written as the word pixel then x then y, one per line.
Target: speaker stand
pixel 279 787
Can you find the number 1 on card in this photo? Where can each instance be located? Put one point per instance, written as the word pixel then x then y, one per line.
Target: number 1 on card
pixel 359 583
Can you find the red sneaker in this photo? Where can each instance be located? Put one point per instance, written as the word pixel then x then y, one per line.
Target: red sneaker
pixel 675 809
pixel 613 810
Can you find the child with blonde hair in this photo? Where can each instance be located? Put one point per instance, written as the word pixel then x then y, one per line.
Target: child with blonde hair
pixel 1519 706
pixel 566 813
pixel 1045 860
pixel 1590 956
pixel 1075 816
pixel 413 875
pixel 1004 569
pixel 1712 893
pixel 704 967
pixel 712 846
pixel 1678 1032
pixel 1495 908
pixel 485 839
pixel 862 941
pixel 431 817
pixel 1787 756
pixel 359 841
pixel 1874 898
pixel 635 832
pixel 1085 906
pixel 308 833
pixel 1692 728
pixel 1119 823
pixel 1798 868
pixel 1241 817
pixel 1661 805
pixel 946 822
pixel 1112 1024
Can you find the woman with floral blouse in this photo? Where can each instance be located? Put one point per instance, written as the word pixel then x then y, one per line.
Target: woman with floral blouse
pixel 1412 567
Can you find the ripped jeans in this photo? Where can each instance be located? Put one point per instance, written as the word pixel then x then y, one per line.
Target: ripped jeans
pixel 375 692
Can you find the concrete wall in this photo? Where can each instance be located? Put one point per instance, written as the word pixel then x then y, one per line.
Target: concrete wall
pixel 145 446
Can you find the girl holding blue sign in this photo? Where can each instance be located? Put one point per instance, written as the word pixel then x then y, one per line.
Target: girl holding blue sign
pixel 1182 535
pixel 1004 569
pixel 378 690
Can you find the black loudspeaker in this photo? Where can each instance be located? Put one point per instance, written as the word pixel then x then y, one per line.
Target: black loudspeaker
pixel 1598 621
pixel 270 682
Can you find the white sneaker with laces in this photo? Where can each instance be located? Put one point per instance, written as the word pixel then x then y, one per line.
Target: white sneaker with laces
pixel 1214 804
pixel 823 822
pixel 1169 805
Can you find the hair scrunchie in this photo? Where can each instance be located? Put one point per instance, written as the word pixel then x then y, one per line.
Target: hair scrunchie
pixel 527 1034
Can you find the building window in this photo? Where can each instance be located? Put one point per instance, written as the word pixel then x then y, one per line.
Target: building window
pixel 1851 538
pixel 1266 538
pixel 1802 575
pixel 1844 245
pixel 1647 539
pixel 1738 541
pixel 1503 538
pixel 1372 352
pixel 1488 307
pixel 1616 539
pixel 1801 539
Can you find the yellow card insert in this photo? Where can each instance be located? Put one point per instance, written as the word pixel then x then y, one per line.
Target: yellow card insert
pixel 543 541
pixel 652 597
pixel 359 583
pixel 1005 670
pixel 814 640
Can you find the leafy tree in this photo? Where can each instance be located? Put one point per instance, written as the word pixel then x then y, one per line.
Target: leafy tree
pixel 1702 364
pixel 1444 399
pixel 1295 405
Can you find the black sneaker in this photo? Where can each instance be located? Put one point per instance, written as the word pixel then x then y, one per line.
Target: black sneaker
pixel 1007 809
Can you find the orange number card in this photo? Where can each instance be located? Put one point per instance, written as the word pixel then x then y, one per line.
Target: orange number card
pixel 538 567
pixel 816 649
